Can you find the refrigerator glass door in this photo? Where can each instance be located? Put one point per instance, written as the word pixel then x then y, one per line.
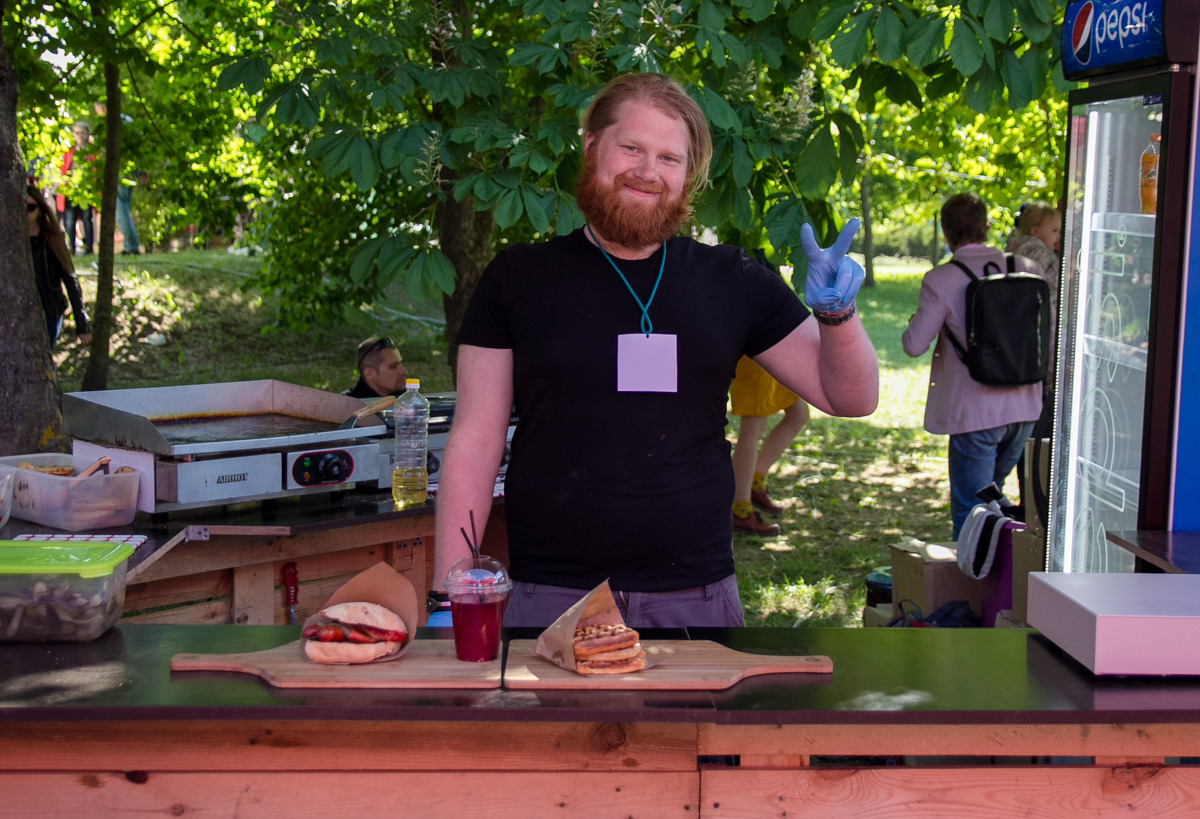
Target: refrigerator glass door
pixel 1104 333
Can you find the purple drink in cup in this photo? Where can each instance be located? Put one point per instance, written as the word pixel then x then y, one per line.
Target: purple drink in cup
pixel 478 589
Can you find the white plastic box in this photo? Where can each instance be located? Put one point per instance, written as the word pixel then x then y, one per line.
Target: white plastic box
pixel 73 504
pixel 6 482
pixel 5 495
pixel 1120 623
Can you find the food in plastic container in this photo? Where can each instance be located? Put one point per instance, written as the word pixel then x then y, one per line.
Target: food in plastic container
pixel 6 482
pixel 61 591
pixel 73 504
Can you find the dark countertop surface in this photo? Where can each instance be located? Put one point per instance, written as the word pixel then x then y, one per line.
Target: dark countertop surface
pixel 880 676
pixel 1174 552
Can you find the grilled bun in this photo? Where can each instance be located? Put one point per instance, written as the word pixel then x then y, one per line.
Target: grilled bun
pixel 348 653
pixel 352 633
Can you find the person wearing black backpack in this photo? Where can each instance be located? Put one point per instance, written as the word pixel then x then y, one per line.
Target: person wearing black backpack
pixel 987 420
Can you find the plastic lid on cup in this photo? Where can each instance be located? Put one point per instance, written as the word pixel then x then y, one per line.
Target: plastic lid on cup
pixel 478 575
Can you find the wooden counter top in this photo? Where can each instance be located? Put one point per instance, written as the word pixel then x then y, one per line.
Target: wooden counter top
pixel 105 728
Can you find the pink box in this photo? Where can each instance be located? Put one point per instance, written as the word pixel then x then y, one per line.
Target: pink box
pixel 1120 623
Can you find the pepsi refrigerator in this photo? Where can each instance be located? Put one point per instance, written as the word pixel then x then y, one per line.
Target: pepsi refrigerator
pixel 1126 370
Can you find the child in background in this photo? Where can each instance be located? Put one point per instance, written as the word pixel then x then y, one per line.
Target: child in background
pixel 754 397
pixel 1037 236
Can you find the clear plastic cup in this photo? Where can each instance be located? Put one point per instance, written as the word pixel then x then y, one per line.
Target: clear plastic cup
pixel 478 589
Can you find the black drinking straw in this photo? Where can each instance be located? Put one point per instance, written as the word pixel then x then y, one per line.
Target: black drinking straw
pixel 472 541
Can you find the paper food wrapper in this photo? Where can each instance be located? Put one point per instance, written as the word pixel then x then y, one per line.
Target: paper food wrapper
pixel 380 584
pixel 557 642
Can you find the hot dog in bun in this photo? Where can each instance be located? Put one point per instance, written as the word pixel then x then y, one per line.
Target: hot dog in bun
pixel 354 633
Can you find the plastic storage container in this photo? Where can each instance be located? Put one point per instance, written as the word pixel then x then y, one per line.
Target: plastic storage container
pixel 6 482
pixel 410 477
pixel 62 591
pixel 73 504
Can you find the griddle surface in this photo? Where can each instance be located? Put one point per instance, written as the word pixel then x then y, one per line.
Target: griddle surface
pixel 221 428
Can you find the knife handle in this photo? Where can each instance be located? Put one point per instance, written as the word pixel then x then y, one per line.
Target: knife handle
pixel 291 583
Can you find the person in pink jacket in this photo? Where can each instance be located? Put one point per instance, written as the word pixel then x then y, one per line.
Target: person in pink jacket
pixel 987 425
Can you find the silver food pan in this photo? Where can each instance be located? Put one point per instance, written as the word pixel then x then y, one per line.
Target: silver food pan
pixel 236 416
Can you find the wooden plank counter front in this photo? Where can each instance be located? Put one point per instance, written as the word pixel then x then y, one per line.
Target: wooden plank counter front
pixel 973 719
pixel 224 565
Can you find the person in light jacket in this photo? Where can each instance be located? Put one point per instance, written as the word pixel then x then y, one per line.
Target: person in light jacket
pixel 987 425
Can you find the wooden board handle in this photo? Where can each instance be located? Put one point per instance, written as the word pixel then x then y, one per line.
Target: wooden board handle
pixel 375 406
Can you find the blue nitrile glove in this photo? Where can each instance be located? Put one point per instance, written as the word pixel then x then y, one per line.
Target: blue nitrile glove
pixel 440 619
pixel 833 277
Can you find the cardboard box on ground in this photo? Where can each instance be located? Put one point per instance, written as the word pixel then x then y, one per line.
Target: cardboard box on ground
pixel 1033 522
pixel 928 575
pixel 1029 555
pixel 875 616
pixel 1029 546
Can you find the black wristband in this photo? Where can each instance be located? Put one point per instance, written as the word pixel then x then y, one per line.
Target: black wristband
pixel 437 600
pixel 834 319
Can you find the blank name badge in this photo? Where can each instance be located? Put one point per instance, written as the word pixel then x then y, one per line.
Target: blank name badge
pixel 647 363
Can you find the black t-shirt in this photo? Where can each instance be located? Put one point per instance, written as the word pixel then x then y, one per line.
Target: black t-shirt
pixel 361 390
pixel 631 487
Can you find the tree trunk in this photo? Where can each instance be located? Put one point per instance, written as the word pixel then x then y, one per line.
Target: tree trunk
pixel 30 399
pixel 935 251
pixel 864 190
pixel 96 375
pixel 465 236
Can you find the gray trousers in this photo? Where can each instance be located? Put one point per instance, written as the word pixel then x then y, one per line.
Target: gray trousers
pixel 716 604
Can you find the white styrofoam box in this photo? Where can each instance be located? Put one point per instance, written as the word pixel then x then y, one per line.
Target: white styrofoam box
pixel 1116 623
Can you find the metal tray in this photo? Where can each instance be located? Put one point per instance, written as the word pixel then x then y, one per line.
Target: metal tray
pixel 198 419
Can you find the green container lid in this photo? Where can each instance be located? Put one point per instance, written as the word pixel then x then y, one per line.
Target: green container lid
pixel 45 557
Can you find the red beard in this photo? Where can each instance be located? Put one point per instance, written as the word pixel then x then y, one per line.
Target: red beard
pixel 632 225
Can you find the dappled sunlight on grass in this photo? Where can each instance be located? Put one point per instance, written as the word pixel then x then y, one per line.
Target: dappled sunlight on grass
pixel 798 603
pixel 849 489
pixel 187 318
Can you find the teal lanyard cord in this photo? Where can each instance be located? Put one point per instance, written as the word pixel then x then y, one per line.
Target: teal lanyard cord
pixel 647 325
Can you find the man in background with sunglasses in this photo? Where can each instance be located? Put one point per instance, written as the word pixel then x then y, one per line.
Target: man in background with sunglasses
pixel 380 371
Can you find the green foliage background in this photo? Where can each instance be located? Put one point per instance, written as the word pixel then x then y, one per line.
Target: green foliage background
pixel 343 127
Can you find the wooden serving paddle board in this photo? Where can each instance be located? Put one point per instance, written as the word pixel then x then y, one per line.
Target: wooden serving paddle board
pixel 427 664
pixel 670 664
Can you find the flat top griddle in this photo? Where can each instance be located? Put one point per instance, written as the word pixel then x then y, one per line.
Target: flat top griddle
pixel 216 418
pixel 229 428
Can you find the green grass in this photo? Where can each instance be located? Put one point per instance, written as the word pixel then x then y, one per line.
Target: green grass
pixel 849 487
pixel 216 330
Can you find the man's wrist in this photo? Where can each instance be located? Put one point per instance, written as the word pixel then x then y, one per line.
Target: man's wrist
pixel 437 601
pixel 834 319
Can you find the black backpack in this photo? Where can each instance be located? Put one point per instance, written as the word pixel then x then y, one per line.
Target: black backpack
pixel 1008 326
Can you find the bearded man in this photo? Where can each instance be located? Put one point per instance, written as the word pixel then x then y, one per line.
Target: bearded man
pixel 617 344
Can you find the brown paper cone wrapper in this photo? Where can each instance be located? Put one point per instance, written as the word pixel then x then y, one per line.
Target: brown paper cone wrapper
pixel 557 642
pixel 384 586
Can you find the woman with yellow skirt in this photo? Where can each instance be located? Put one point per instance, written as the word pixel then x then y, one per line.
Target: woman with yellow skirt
pixel 754 397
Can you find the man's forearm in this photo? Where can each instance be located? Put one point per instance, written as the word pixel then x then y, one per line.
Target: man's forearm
pixel 467 488
pixel 849 369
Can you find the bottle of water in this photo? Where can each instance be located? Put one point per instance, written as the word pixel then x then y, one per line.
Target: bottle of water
pixel 410 477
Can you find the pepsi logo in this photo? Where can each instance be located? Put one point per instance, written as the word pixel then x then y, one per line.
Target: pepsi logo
pixel 1081 33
